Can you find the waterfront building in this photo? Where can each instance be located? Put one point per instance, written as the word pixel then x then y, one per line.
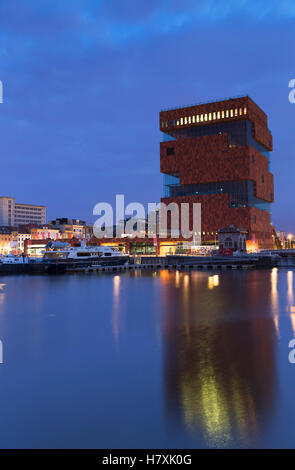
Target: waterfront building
pixel 45 232
pixel 218 154
pixel 23 235
pixel 232 238
pixel 70 227
pixel 8 236
pixel 14 214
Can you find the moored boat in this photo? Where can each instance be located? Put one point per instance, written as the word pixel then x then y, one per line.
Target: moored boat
pixel 84 255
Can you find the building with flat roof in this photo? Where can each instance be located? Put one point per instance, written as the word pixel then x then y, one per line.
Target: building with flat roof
pixel 218 154
pixel 17 214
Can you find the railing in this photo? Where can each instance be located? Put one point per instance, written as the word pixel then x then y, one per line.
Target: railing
pixel 205 102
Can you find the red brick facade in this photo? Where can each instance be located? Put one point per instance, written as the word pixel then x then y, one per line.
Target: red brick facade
pixel 210 159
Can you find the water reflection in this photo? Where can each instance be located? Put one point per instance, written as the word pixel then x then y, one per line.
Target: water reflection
pixel 220 370
pixel 275 299
pixel 116 306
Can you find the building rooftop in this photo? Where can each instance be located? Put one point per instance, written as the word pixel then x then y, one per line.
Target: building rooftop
pixel 205 102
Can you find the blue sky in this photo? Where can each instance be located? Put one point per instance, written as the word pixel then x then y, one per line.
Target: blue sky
pixel 84 81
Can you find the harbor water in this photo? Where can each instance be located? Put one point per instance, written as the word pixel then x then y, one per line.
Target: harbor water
pixel 148 359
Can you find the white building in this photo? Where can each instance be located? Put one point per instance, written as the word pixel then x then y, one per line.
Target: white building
pixel 21 237
pixel 15 214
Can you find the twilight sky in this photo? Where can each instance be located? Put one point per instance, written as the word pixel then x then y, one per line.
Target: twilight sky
pixel 84 81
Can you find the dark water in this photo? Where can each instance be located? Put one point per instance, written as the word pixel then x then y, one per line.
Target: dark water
pixel 147 360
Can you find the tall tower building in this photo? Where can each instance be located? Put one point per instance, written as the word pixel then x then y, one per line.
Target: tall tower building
pixel 218 154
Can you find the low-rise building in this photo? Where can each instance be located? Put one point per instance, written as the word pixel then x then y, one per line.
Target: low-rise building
pixel 70 227
pixel 8 237
pixel 21 237
pixel 45 232
pixel 232 238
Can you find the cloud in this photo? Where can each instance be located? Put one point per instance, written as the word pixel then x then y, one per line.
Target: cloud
pixel 84 81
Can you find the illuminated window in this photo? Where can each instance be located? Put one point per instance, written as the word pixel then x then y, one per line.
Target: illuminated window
pixel 218 114
pixel 177 122
pixel 189 120
pixel 210 117
pixel 236 112
pixel 198 118
pixel 240 111
pixel 194 118
pixel 214 116
pixel 222 114
pixel 201 118
pixel 231 113
pixel 227 113
pixel 162 124
pixel 181 121
pixel 245 110
pixel 185 120
pixel 206 117
pixel 166 123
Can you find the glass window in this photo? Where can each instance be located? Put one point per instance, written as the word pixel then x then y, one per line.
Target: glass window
pixel 245 110
pixel 206 117
pixel 218 114
pixel 222 114
pixel 210 117
pixel 181 121
pixel 236 112
pixel 201 118
pixel 194 118
pixel 177 122
pixel 227 113
pixel 231 113
pixel 214 116
pixel 189 119
pixel 185 120
pixel 198 118
pixel 241 112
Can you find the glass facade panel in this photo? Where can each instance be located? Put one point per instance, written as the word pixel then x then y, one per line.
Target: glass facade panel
pixel 241 193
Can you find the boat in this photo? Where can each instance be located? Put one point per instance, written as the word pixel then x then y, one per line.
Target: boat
pixel 58 252
pixel 13 259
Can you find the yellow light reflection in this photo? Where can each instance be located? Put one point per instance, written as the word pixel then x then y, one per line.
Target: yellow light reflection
pixel 213 281
pixel 177 278
pixel 274 299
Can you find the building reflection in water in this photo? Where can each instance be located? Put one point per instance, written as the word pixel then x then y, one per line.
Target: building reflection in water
pixel 2 296
pixel 116 307
pixel 219 355
pixel 275 299
pixel 290 297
